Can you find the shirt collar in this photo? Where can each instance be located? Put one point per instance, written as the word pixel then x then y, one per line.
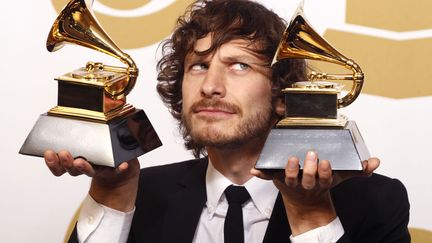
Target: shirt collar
pixel 263 192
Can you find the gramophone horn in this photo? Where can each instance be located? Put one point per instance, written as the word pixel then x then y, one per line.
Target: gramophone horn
pixel 300 40
pixel 76 24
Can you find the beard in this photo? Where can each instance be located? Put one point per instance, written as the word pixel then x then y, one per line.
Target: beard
pixel 250 127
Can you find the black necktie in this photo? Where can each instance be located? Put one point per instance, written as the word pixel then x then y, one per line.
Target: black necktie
pixel 233 227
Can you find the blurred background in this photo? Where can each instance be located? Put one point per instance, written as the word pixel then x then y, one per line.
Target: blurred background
pixel 391 40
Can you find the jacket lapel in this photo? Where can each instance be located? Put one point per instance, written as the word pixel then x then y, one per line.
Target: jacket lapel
pixel 182 217
pixel 278 229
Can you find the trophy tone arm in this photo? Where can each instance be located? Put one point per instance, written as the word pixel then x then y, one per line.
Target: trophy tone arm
pixel 357 77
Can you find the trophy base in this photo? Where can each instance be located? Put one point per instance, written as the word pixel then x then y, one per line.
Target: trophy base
pixel 107 144
pixel 343 147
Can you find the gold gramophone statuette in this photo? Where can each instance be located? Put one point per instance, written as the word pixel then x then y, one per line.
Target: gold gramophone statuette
pixel 312 121
pixel 92 118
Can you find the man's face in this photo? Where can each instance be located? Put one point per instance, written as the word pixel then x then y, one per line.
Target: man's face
pixel 226 95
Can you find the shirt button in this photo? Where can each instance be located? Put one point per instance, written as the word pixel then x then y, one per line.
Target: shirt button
pixel 90 220
pixel 211 209
pixel 268 211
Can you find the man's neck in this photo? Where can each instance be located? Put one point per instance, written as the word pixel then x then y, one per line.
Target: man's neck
pixel 236 163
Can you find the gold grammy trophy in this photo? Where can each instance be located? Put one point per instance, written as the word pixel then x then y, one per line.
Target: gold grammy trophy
pixel 311 118
pixel 92 118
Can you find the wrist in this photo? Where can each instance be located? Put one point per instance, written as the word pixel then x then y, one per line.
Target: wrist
pixel 304 217
pixel 331 232
pixel 116 188
pixel 120 197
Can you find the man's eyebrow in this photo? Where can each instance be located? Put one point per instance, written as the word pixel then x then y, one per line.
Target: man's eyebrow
pixel 253 60
pixel 240 58
pixel 194 58
pixel 246 58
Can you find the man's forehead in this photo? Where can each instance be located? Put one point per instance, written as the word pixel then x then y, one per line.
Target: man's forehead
pixel 205 43
pixel 235 48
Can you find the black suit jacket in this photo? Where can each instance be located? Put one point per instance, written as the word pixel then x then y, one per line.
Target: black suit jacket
pixel 171 198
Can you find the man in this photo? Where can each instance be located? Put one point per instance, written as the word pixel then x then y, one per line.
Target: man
pixel 216 80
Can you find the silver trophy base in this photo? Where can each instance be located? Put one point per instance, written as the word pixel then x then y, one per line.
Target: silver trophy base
pixel 107 144
pixel 343 147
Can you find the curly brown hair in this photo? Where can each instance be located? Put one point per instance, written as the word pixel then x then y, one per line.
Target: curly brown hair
pixel 227 20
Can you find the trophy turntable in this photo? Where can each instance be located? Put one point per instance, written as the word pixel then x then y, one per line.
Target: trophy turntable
pixel 92 118
pixel 312 120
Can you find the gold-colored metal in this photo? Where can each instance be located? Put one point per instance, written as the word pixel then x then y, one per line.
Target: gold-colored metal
pixel 76 24
pixel 316 122
pixel 300 40
pixel 309 91
pixel 314 88
pixel 93 72
pixel 92 118
pixel 312 120
pixel 102 117
pixel 95 78
pixel 317 85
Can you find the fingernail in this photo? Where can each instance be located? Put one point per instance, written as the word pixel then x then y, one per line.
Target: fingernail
pixel 325 166
pixel 364 164
pixel 292 165
pixel 79 167
pixel 311 155
pixel 49 159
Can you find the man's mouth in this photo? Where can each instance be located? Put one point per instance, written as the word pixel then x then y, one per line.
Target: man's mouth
pixel 214 108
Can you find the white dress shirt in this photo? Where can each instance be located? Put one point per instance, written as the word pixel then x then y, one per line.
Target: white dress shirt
pixel 98 223
pixel 256 212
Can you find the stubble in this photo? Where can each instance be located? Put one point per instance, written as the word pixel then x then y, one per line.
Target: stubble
pixel 249 128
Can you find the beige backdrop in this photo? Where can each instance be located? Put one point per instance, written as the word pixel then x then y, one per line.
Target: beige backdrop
pixel 391 40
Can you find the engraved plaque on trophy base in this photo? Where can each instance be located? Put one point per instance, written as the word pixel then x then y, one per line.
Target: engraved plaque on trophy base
pixel 343 147
pixel 107 144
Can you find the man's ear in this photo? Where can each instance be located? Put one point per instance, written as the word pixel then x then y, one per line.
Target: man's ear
pixel 279 107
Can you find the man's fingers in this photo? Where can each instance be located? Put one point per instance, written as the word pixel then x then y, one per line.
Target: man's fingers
pixel 67 161
pixel 291 172
pixel 370 165
pixel 261 174
pixel 84 167
pixel 53 163
pixel 325 174
pixel 123 167
pixel 310 169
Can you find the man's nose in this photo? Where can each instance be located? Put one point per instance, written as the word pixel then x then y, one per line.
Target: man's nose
pixel 214 82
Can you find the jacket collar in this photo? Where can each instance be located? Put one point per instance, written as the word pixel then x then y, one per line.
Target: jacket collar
pixel 182 217
pixel 278 229
pixel 181 220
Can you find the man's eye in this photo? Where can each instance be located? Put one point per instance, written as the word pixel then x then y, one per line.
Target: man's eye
pixel 198 67
pixel 240 66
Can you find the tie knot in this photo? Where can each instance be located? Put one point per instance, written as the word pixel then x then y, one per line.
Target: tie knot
pixel 236 194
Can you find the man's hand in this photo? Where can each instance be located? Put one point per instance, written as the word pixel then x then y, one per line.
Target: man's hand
pixel 113 187
pixel 306 195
